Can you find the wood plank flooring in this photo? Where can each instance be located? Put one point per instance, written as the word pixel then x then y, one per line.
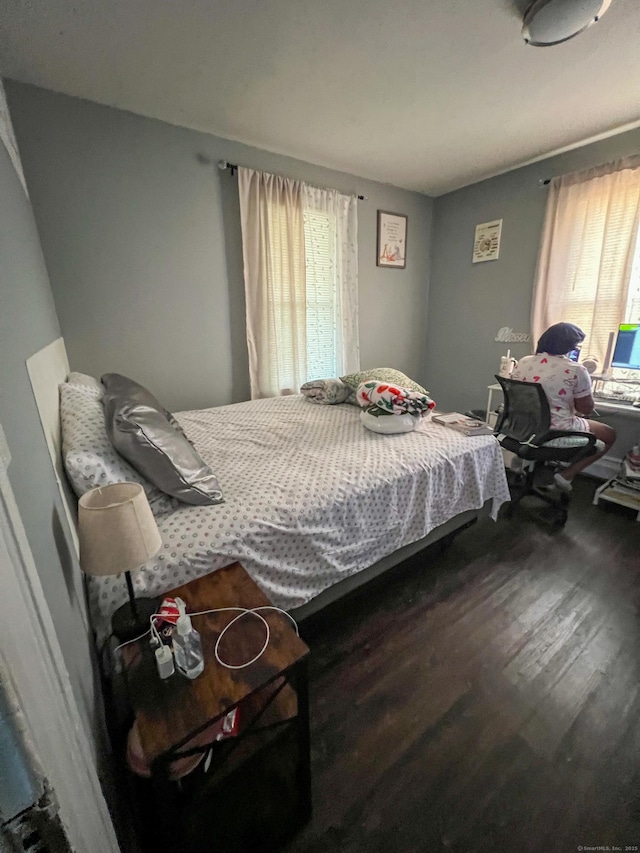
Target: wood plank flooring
pixel 486 698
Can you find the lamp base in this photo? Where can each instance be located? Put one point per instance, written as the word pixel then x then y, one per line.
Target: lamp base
pixel 126 626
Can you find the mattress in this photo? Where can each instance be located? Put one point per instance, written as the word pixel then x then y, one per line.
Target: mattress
pixel 311 497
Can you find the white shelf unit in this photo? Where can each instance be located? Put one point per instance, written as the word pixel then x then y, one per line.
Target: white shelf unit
pixel 623 489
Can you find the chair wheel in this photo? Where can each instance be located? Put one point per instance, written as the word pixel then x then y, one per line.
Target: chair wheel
pixel 506 510
pixel 560 519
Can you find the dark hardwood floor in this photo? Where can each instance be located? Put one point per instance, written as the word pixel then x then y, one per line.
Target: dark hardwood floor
pixel 486 698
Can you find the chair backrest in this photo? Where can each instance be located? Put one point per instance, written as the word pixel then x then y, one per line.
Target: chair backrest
pixel 526 410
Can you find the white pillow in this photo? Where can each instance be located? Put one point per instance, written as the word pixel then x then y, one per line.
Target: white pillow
pixel 389 424
pixel 82 380
pixel 89 457
pixel 328 392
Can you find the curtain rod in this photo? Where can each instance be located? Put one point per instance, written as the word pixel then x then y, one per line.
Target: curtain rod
pixel 233 168
pixel 630 161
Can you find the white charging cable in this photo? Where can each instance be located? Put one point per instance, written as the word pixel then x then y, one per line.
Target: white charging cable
pixel 244 611
pixel 134 640
pixel 241 611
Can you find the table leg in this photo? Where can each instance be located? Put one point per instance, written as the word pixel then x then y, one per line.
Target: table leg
pixel 304 741
pixel 167 810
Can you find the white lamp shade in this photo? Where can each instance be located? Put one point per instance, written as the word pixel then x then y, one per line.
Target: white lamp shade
pixel 117 529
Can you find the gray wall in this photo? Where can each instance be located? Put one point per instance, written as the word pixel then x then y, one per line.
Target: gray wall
pixel 143 247
pixel 468 302
pixel 28 322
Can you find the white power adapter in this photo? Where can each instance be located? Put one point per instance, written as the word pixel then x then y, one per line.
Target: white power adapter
pixel 164 661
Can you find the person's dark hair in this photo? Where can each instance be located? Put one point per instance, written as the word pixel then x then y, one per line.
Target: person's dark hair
pixel 560 339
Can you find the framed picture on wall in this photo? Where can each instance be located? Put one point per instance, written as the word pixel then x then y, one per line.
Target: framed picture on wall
pixel 392 240
pixel 486 243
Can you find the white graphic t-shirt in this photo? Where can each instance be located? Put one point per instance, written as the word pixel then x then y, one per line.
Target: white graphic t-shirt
pixel 563 381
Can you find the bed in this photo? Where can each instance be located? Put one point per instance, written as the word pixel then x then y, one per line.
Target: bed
pixel 314 503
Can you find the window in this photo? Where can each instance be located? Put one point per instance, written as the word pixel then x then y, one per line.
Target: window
pixel 300 266
pixel 589 265
pixel 632 309
pixel 322 304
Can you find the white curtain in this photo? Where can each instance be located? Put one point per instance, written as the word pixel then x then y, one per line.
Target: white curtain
pixel 272 219
pixel 299 248
pixel 589 241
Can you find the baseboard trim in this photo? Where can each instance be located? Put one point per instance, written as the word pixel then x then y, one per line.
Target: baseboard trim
pixel 605 468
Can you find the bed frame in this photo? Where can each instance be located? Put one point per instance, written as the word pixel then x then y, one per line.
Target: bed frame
pixel 49 367
pixel 353 582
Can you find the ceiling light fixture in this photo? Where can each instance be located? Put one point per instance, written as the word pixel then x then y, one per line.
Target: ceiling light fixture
pixel 548 22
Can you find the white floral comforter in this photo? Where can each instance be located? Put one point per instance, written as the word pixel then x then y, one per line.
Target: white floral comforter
pixel 311 497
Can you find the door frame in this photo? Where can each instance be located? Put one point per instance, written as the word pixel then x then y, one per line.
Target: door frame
pixel 54 734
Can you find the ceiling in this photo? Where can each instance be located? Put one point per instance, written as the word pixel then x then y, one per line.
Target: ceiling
pixel 429 95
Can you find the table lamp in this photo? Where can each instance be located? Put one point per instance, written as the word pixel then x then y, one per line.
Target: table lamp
pixel 118 533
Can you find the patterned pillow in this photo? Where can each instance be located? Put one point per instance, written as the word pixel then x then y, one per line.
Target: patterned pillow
pixel 379 374
pixel 328 392
pixel 89 457
pixel 82 380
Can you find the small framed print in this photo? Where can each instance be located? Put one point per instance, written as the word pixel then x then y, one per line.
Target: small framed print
pixel 486 243
pixel 392 240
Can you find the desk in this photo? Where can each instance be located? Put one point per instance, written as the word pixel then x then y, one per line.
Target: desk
pixel 608 406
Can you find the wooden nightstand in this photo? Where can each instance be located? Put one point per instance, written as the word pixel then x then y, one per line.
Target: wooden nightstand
pixel 253 790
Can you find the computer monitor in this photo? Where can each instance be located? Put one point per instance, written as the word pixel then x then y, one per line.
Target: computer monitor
pixel 627 349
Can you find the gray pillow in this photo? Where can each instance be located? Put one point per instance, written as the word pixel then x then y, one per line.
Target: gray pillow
pixel 122 386
pixel 150 438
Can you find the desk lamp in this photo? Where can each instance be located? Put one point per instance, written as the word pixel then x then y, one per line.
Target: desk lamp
pixel 118 533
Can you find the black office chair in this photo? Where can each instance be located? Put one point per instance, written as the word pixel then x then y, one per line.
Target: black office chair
pixel 524 428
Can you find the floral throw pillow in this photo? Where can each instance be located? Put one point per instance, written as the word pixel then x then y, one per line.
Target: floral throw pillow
pixel 379 374
pixel 380 398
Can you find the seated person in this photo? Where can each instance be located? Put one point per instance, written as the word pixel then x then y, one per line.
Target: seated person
pixel 567 386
